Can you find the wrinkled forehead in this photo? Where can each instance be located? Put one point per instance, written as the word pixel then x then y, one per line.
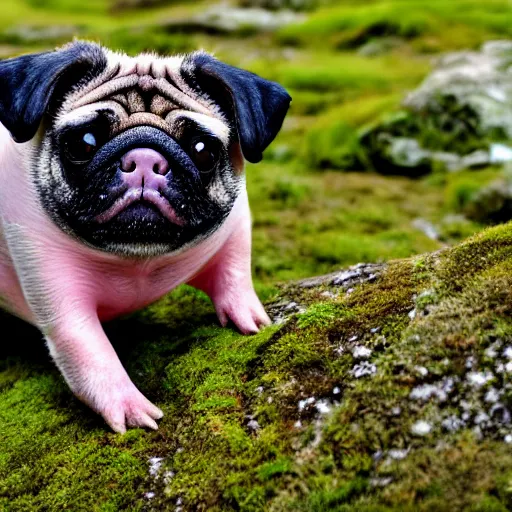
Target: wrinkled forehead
pixel 144 90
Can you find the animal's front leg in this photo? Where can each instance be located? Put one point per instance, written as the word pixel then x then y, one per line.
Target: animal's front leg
pixel 94 373
pixel 228 282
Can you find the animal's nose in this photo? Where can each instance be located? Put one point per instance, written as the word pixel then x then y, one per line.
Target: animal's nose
pixel 144 161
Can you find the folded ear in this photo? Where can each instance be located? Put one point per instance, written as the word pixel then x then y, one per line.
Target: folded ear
pixel 28 83
pixel 257 106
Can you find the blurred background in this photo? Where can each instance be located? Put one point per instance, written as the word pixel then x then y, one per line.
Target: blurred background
pixel 399 135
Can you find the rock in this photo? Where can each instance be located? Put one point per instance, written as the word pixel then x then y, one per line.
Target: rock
pixel 380 46
pixel 427 228
pixel 500 153
pixel 275 5
pixel 280 420
pixel 357 274
pixel 459 118
pixel 225 19
pixel 492 204
pixel 27 34
pixel 479 80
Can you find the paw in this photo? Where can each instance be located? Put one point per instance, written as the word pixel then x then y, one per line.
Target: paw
pixel 244 310
pixel 122 405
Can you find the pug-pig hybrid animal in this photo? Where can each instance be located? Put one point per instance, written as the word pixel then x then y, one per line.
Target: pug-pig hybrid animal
pixel 121 178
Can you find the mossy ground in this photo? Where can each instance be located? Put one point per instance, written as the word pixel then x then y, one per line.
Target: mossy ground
pixel 230 438
pixel 294 418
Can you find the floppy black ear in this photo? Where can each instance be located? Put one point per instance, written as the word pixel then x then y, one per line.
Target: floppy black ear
pixel 257 106
pixel 28 83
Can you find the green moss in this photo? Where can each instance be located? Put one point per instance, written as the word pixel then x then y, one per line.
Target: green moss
pixel 352 25
pixel 213 383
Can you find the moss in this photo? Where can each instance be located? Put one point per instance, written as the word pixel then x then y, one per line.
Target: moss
pixel 353 25
pixel 230 438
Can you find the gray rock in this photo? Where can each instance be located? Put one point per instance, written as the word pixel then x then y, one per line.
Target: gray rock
pixel 225 19
pixel 27 34
pixel 346 279
pixel 459 118
pixel 492 204
pixel 380 46
pixel 481 81
pixel 274 5
pixel 427 228
pixel 407 152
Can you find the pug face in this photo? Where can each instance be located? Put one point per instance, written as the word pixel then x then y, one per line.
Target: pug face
pixel 138 156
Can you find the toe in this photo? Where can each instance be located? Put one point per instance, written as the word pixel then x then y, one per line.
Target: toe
pixel 116 421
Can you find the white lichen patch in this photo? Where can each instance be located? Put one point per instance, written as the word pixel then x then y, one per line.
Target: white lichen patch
pixel 361 352
pixel 507 353
pixel 155 464
pixel 427 391
pixel 492 395
pixel 470 362
pixel 323 406
pixel 453 423
pixel 479 379
pixel 397 454
pixel 306 403
pixel 381 481
pixel 481 417
pixel 421 370
pixel 253 425
pixel 364 369
pixel 339 350
pixel 421 428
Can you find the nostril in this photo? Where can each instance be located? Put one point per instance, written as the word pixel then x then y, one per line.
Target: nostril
pixel 127 165
pixel 156 168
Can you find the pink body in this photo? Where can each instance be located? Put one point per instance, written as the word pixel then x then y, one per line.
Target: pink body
pixel 66 289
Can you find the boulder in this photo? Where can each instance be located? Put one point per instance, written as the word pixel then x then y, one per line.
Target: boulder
pixel 49 34
pixel 379 387
pixel 226 19
pixel 459 118
pixel 492 204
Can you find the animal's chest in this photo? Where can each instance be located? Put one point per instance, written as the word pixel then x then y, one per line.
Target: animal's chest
pixel 125 294
pixel 121 292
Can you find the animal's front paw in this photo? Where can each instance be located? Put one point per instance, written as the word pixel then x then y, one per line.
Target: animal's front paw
pixel 244 309
pixel 122 405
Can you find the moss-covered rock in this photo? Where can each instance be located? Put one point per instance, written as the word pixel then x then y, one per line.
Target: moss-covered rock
pixel 459 118
pixel 383 387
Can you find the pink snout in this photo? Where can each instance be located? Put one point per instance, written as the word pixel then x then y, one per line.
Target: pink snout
pixel 144 171
pixel 144 168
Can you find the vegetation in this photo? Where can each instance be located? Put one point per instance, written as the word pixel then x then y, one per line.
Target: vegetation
pixel 317 412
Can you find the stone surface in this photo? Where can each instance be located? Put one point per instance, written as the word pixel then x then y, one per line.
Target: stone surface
pixel 29 34
pixel 274 5
pixel 459 118
pixel 225 19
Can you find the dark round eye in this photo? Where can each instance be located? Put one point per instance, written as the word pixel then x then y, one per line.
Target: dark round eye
pixel 80 146
pixel 204 152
